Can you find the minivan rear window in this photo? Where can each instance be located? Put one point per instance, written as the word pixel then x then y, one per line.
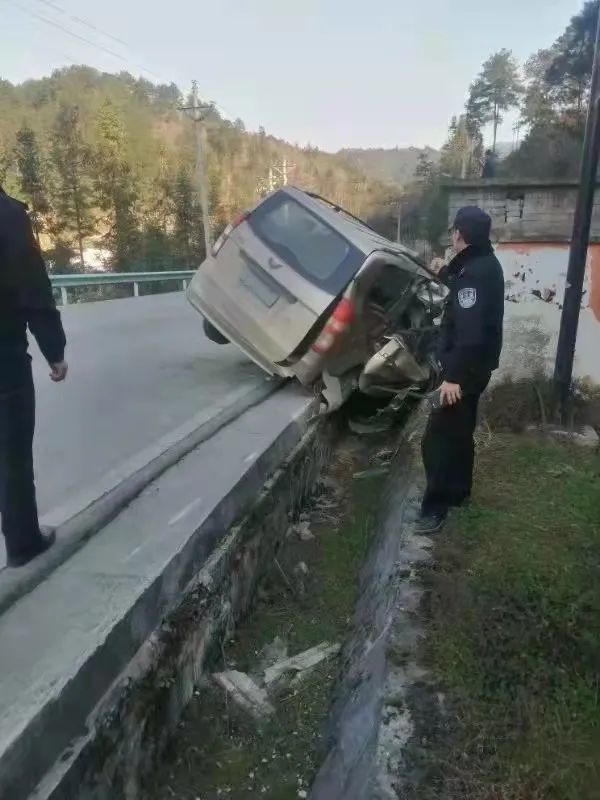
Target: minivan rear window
pixel 305 242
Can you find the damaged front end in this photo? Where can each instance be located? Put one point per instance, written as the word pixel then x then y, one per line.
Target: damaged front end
pixel 399 359
pixel 394 370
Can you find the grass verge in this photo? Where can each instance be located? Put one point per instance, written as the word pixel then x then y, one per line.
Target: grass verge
pixel 513 631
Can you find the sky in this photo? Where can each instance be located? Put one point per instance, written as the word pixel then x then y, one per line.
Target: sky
pixel 331 73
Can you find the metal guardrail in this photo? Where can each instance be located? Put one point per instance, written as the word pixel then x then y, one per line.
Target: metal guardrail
pixel 66 282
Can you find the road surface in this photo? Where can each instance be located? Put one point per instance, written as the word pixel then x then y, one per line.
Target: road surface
pixel 139 368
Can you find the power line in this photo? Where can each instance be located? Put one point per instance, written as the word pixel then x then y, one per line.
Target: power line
pixel 53 23
pixel 82 21
pixel 81 38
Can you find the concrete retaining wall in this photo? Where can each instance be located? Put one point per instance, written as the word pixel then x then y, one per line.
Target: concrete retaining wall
pixel 133 722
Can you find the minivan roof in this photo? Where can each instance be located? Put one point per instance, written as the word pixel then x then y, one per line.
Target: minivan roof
pixel 357 233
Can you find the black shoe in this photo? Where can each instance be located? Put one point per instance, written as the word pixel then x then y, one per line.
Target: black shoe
pixel 430 523
pixel 48 538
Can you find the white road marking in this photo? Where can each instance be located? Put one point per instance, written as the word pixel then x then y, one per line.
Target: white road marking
pixel 185 511
pixel 134 552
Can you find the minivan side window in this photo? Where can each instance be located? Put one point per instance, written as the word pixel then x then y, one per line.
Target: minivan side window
pixel 305 242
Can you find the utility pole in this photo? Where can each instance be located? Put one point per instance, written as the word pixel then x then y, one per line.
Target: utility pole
pixel 399 221
pixel 282 171
pixel 197 114
pixel 565 351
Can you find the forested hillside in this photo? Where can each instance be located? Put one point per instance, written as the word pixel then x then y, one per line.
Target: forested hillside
pixel 394 166
pixel 107 162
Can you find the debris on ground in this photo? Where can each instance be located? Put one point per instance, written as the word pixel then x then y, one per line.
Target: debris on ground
pixel 384 456
pixel 301 569
pixel 300 664
pixel 371 425
pixel 302 530
pixel 272 652
pixel 301 573
pixel 373 472
pixel 245 692
pixel 587 437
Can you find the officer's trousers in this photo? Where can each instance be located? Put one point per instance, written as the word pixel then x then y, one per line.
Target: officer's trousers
pixel 448 452
pixel 18 506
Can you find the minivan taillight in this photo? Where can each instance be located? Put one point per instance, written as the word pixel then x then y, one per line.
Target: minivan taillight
pixel 227 232
pixel 338 323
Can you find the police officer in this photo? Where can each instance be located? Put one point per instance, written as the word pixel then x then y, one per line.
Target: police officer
pixel 469 350
pixel 26 301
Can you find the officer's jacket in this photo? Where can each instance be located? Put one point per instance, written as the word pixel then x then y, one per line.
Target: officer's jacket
pixel 26 298
pixel 470 339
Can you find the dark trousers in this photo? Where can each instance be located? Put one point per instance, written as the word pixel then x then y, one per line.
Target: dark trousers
pixel 18 506
pixel 448 452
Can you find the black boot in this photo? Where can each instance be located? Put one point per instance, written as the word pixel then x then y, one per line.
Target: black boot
pixel 48 537
pixel 430 523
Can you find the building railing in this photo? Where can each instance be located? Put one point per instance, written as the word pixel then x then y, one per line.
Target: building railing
pixel 78 280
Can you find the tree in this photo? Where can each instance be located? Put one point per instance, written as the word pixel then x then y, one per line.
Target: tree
pixel 496 89
pixel 426 202
pixel 425 168
pixel 127 161
pixel 185 217
pixel 29 165
pixel 5 162
pixel 554 106
pixel 72 160
pixel 570 69
pixel 115 187
pixel 462 151
pixel 538 101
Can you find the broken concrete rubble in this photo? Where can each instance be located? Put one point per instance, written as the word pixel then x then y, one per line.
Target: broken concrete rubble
pixel 276 650
pixel 302 530
pixel 300 663
pixel 301 569
pixel 245 692
pixel 587 437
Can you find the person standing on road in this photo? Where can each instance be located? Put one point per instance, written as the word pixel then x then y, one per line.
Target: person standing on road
pixel 488 168
pixel 26 301
pixel 469 349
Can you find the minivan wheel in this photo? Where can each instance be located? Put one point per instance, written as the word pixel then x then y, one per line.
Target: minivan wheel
pixel 213 334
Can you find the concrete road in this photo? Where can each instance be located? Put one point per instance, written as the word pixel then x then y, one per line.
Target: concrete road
pixel 139 368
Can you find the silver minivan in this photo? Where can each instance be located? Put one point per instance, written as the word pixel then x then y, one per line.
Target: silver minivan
pixel 309 291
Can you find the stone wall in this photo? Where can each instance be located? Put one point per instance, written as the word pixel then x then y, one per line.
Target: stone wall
pixel 526 211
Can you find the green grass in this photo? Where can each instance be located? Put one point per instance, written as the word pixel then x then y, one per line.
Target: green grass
pixel 513 635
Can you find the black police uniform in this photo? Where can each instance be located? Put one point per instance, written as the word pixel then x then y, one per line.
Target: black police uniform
pixel 26 301
pixel 469 350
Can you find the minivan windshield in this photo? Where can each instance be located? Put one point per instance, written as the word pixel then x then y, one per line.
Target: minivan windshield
pixel 306 243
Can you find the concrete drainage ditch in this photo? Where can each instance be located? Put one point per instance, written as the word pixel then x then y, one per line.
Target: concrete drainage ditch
pixel 168 728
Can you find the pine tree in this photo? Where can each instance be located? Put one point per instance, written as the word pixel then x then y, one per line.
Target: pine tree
pixel 496 89
pixel 31 180
pixel 72 161
pixel 189 241
pixel 116 188
pixel 462 150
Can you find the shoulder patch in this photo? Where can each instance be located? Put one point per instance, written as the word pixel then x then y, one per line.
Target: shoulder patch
pixel 467 297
